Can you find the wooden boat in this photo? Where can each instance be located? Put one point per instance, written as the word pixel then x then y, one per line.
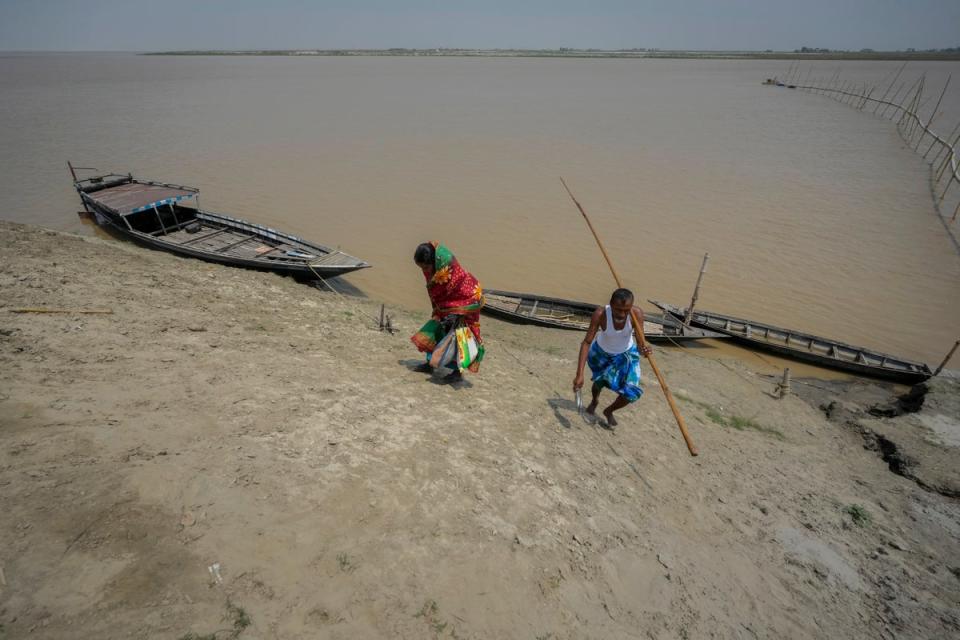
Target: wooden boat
pixel 154 214
pixel 806 347
pixel 557 313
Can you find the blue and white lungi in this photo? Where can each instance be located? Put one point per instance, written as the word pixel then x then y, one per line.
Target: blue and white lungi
pixel 618 372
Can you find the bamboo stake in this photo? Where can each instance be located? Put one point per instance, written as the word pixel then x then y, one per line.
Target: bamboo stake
pixel 934 114
pixel 906 112
pixel 866 96
pixel 893 100
pixel 914 105
pixel 793 65
pixel 892 82
pixel 783 387
pixel 947 359
pixel 935 141
pixel 896 103
pixel 947 158
pixel 856 95
pixel 836 76
pixel 944 194
pixel 638 332
pixel 98 311
pixel 696 291
pixel 915 121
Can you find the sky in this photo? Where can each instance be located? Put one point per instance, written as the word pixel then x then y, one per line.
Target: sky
pixel 781 25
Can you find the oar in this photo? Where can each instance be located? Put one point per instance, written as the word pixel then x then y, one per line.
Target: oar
pixel 638 333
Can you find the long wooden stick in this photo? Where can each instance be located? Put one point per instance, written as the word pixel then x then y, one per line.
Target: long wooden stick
pixel 638 332
pixel 103 311
pixel 696 291
pixel 947 359
pixel 892 82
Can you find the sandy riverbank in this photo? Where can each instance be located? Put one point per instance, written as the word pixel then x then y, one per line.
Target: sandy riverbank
pixel 243 419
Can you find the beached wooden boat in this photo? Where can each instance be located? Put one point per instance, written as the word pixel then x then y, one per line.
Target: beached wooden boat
pixel 528 308
pixel 808 348
pixel 154 214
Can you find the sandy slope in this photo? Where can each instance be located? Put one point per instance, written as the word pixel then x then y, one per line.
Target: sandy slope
pixel 223 416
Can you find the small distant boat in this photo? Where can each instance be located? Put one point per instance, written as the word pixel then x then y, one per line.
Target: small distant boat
pixel 557 313
pixel 153 214
pixel 806 347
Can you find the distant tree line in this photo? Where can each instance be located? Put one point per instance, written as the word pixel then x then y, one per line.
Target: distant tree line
pixel 908 50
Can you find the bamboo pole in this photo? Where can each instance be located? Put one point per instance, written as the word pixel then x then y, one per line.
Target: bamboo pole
pixel 895 104
pixel 836 77
pixel 906 112
pixel 893 100
pixel 947 158
pixel 43 310
pixel 935 141
pixel 696 291
pixel 842 92
pixel 933 114
pixel 790 71
pixel 856 95
pixel 947 359
pixel 910 116
pixel 638 332
pixel 783 387
pixel 915 120
pixel 851 95
pixel 892 82
pixel 949 184
pixel 866 95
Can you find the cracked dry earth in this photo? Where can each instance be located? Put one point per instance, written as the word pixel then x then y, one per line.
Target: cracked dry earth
pixel 229 442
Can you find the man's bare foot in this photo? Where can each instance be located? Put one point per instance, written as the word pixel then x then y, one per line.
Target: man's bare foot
pixel 592 408
pixel 610 419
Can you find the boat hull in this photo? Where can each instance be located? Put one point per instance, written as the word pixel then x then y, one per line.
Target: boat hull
pixel 911 372
pixel 580 313
pixel 122 205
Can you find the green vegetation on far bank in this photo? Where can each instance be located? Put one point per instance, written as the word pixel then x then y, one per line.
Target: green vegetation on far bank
pixel 800 54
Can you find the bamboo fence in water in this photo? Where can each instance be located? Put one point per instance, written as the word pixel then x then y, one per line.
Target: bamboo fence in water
pixel 905 110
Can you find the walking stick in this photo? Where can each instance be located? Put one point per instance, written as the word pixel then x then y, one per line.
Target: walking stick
pixel 638 332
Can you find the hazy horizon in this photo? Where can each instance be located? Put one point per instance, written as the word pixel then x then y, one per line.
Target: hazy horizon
pixel 698 25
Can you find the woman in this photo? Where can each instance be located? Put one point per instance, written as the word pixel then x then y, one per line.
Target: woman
pixel 452 336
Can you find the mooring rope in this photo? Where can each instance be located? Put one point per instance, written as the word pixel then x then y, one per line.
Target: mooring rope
pixel 342 297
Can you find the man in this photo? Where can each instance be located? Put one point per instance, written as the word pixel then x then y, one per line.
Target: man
pixel 611 351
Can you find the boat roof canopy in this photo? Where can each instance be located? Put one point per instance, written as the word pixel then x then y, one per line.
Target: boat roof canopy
pixel 134 197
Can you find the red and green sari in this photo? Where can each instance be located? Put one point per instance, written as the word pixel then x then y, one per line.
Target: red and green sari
pixel 453 292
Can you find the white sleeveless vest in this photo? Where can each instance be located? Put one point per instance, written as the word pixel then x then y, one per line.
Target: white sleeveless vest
pixel 613 341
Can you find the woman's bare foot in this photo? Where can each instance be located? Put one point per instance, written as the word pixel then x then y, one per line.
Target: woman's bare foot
pixel 451 378
pixel 608 414
pixel 423 368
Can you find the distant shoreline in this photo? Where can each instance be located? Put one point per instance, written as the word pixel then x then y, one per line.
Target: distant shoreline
pixel 581 53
